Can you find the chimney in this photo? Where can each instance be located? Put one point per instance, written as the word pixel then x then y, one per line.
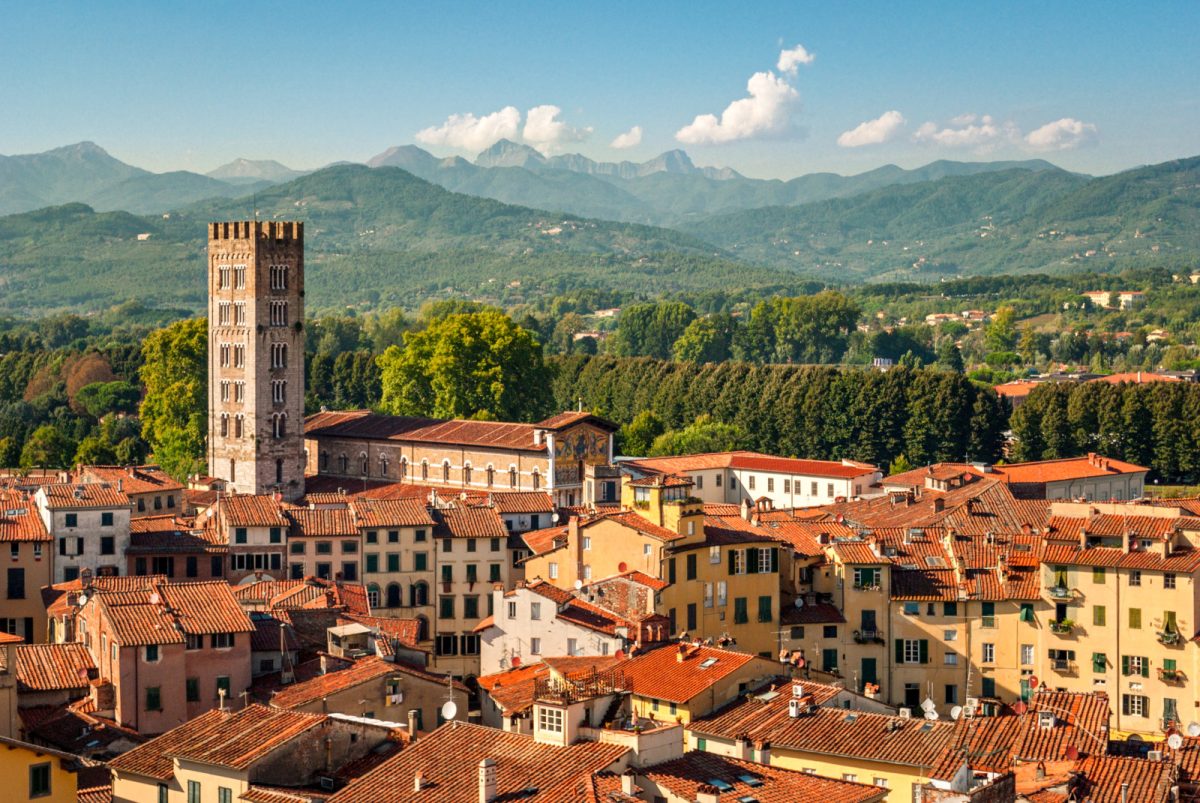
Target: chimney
pixel 939 505
pixel 412 725
pixel 680 653
pixel 707 794
pixel 418 781
pixel 487 780
pixel 120 484
pixel 627 778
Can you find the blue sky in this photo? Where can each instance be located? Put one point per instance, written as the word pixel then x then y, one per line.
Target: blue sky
pixel 1096 87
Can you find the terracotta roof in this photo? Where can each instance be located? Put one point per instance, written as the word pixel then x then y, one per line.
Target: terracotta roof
pixel 404 631
pixel 168 523
pixel 831 731
pixel 1135 377
pixel 513 690
pixel 267 635
pixel 1068 468
pixel 54 667
pixel 19 519
pixel 542 541
pixel 361 671
pixel 365 425
pixel 133 479
pixel 249 510
pixel 76 729
pixel 83 495
pixel 857 552
pixel 470 522
pixel 200 541
pixel 267 794
pixel 410 512
pixel 685 776
pixel 1104 779
pixel 635 522
pixel 573 417
pixel 448 759
pixel 94 794
pixel 1015 389
pixel 234 740
pixel 822 613
pixel 752 461
pixel 322 522
pixel 522 502
pixel 310 592
pixel 659 674
pixel 639 577
pixel 165 612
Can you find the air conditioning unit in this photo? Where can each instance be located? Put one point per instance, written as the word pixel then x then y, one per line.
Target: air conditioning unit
pixel 1046 719
pixel 797 690
pixel 972 702
pixel 906 713
pixel 794 708
pixel 1155 755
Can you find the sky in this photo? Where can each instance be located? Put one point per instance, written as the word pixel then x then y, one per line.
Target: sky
pixel 773 90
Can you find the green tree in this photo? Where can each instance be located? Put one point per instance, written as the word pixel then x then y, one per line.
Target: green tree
pixel 702 435
pixel 636 437
pixel 899 465
pixel 47 447
pixel 467 365
pixel 1002 331
pixel 706 339
pixel 10 452
pixel 651 329
pixel 174 409
pixel 95 450
pixel 949 358
pixel 101 398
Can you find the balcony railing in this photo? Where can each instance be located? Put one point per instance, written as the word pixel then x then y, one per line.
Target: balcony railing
pixel 868 637
pixel 1170 637
pixel 1059 592
pixel 582 686
pixel 868 587
pixel 1171 675
pixel 1063 666
pixel 1061 626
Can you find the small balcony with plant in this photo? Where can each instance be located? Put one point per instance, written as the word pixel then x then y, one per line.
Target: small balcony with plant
pixel 1062 627
pixel 1171 675
pixel 1059 588
pixel 1170 635
pixel 868 637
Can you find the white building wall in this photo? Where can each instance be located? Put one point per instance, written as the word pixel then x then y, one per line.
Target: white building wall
pixel 514 636
pixel 89 527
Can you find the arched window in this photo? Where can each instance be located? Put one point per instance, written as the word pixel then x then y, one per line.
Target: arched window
pixel 467 474
pixel 224 425
pixel 344 464
pixel 279 471
pixel 364 467
pixel 491 475
pixel 445 471
pixel 403 467
pixel 422 628
pixel 279 425
pixel 418 594
pixel 424 469
pixel 238 423
pixel 394 596
pixel 324 461
pixel 383 465
pixel 536 479
pixel 512 476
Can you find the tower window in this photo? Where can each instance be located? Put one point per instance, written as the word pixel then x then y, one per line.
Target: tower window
pixel 279 276
pixel 223 277
pixel 239 356
pixel 279 355
pixel 278 391
pixel 239 277
pixel 279 313
pixel 224 390
pixel 224 426
pixel 279 471
pixel 239 313
pixel 239 392
pixel 238 422
pixel 225 355
pixel 223 313
pixel 279 425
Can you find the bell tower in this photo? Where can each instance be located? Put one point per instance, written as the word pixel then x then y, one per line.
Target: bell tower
pixel 256 356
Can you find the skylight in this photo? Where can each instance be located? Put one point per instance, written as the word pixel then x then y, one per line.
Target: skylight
pixel 750 780
pixel 934 560
pixel 722 785
pixel 707 662
pixel 850 718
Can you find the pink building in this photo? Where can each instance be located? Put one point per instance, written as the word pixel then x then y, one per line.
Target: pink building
pixel 168 649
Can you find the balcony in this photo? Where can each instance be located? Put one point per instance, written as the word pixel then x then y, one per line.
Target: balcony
pixel 868 637
pixel 1059 592
pixel 1064 666
pixel 868 587
pixel 1171 675
pixel 1062 626
pixel 1170 638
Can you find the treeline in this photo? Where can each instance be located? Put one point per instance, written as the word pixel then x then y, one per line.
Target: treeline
pixel 1156 425
pixel 926 415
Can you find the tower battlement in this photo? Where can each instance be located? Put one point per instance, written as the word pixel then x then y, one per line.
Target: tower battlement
pixel 257 229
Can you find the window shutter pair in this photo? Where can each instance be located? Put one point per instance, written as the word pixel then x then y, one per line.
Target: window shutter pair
pixel 752 560
pixel 923 646
pixel 732 561
pixel 774 560
pixel 1125 667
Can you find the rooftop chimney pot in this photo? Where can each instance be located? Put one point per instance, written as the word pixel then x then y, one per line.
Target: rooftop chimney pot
pixel 487 780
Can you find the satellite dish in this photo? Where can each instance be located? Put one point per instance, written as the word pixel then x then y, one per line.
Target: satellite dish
pixel 82 599
pixel 516 661
pixel 799 602
pixel 622 567
pixel 1193 729
pixel 1072 753
pixel 554 518
pixel 1019 707
pixel 154 598
pixel 620 655
pixel 449 709
pixel 578 584
pixel 931 715
pixel 928 704
pixel 1174 741
pixel 1033 681
pixel 956 712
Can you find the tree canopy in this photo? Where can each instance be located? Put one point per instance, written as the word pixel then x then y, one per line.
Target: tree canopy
pixel 174 410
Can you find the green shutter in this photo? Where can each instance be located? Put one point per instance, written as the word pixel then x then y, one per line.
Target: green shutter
pixel 1124 664
pixel 1145 667
pixel 989 609
pixel 1099 662
pixel 899 650
pixel 774 560
pixel 1026 612
pixel 1169 665
pixel 1169 624
pixel 671 570
pixel 732 561
pixel 924 650
pixel 751 560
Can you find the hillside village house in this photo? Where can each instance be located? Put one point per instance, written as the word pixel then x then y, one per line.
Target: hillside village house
pixel 89 523
pixel 255 530
pixel 325 544
pixel 398 555
pixel 151 490
pixel 731 477
pixel 1091 477
pixel 27 544
pixel 175 548
pixel 680 682
pixel 548 456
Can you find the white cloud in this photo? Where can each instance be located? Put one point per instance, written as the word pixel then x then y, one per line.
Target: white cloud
pixel 1061 135
pixel 544 131
pixel 630 139
pixel 968 131
pixel 873 132
pixel 470 133
pixel 790 60
pixel 766 111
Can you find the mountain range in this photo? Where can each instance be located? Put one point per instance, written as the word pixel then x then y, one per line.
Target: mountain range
pixel 389 234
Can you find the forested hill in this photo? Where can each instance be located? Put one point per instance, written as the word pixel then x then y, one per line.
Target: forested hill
pixel 376 236
pixel 1005 222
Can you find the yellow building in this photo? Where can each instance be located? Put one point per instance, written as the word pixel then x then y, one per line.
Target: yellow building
pixel 38 774
pixel 679 682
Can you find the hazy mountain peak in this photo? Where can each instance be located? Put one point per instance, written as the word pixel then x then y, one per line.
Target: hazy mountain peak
pixel 506 153
pixel 241 170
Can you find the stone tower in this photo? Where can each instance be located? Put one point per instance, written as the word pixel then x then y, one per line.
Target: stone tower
pixel 256 356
